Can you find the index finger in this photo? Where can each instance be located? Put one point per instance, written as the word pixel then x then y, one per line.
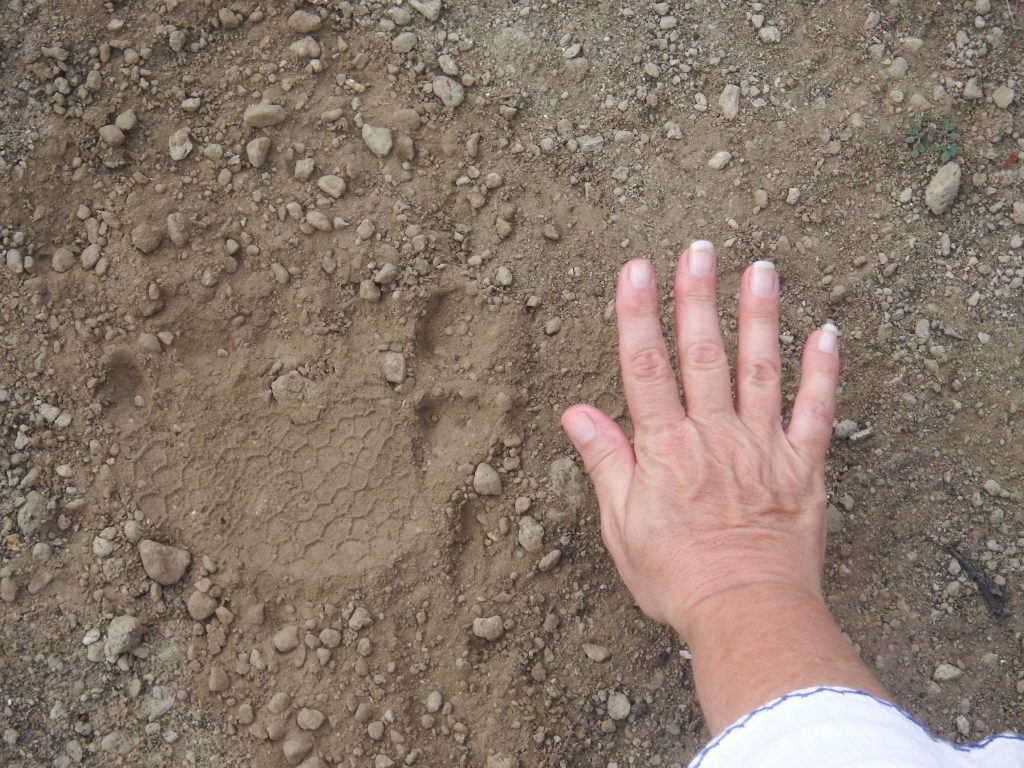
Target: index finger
pixel 647 376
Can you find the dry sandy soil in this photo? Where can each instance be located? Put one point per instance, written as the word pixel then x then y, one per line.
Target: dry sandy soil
pixel 282 340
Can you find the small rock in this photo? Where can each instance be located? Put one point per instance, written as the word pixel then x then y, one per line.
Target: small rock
pixel 394 367
pixel 618 706
pixel 123 634
pixel 597 653
pixel 729 101
pixel 62 260
pixel 490 628
pixel 332 185
pixel 150 342
pixel 179 144
pixel 200 605
pixel 359 619
pixel 448 91
pixel 305 48
pixel 34 513
pixel 431 9
pixel 972 90
pixel 503 276
pixel 549 561
pixel 126 120
pixel 378 139
pixel 567 481
pixel 146 238
pixel 296 748
pixel 992 487
pixel 164 564
pixel 177 229
pixel 369 290
pixel 720 159
pixel 943 188
pixel 303 22
pixel 264 114
pixel 405 42
pixel 309 719
pixel 1003 96
pixel 219 680
pixel 434 701
pixel 112 135
pixel 287 639
pixel 502 760
pixel 946 672
pixel 531 534
pixel 257 151
pixel 770 34
pixel 486 480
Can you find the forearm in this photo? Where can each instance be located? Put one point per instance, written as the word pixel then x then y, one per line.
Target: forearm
pixel 754 644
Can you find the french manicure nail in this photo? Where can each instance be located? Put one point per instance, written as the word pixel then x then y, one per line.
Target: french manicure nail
pixel 827 339
pixel 702 258
pixel 762 279
pixel 641 275
pixel 581 429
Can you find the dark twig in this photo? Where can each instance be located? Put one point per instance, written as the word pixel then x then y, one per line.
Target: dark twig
pixel 994 595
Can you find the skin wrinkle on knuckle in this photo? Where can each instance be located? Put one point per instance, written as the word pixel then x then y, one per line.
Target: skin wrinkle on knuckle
pixel 649 364
pixel 762 371
pixel 704 355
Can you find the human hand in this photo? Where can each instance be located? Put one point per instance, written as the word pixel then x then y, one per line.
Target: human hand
pixel 716 499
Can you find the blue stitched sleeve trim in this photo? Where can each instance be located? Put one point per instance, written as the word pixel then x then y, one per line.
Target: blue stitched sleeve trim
pixel 745 720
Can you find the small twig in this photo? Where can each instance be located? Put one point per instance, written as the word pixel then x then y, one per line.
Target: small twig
pixel 994 595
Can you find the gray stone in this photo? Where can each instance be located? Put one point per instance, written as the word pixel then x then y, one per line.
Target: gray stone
pixel 332 185
pixel 179 144
pixel 62 260
pixel 404 42
pixel 729 101
pixel 177 229
pixel 394 367
pixel 146 238
pixel 264 114
pixel 112 135
pixel 568 482
pixel 1003 96
pixel 257 151
pixel 305 48
pixel 164 564
pixel 943 188
pixel 618 706
pixel 596 653
pixel 309 719
pixel 531 534
pixel 720 159
pixel 431 9
pixel 123 634
pixel 972 90
pixel 378 139
pixel 287 639
pixel 303 22
pixel 490 628
pixel 486 480
pixel 296 748
pixel 34 513
pixel 200 605
pixel 448 91
pixel 946 672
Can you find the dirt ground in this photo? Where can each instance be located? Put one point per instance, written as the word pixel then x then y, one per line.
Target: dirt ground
pixel 300 290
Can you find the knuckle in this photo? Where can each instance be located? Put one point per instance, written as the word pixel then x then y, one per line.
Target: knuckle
pixel 704 355
pixel 649 364
pixel 763 370
pixel 818 409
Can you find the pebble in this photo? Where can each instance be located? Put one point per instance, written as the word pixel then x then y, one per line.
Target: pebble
pixel 177 229
pixel 359 619
pixel 296 748
pixel 434 701
pixel 126 120
pixel 503 276
pixel 149 342
pixel 219 680
pixel 405 42
pixel 618 706
pixel 263 115
pixel 146 238
pixel 946 672
pixel 394 367
pixel 200 605
pixel 505 760
pixel 378 139
pixel 943 188
pixel 303 22
pixel 306 48
pixel 309 719
pixel 720 159
pixel 567 482
pixel 163 563
pixel 369 290
pixel 729 101
pixel 287 639
pixel 448 91
pixel 490 628
pixel 123 634
pixel 596 653
pixel 257 151
pixel 1003 96
pixel 549 561
pixel 531 534
pixel 112 135
pixel 770 34
pixel 62 260
pixel 430 9
pixel 972 90
pixel 34 513
pixel 332 185
pixel 486 480
pixel 179 144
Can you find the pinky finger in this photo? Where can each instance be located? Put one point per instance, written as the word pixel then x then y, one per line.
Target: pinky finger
pixel 810 427
pixel 606 452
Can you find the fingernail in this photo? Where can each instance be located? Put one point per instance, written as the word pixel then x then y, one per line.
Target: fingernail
pixel 827 339
pixel 701 261
pixel 581 429
pixel 641 275
pixel 762 279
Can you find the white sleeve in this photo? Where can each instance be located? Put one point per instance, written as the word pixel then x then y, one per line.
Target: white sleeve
pixel 843 728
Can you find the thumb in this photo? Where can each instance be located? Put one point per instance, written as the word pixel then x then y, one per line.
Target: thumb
pixel 606 453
